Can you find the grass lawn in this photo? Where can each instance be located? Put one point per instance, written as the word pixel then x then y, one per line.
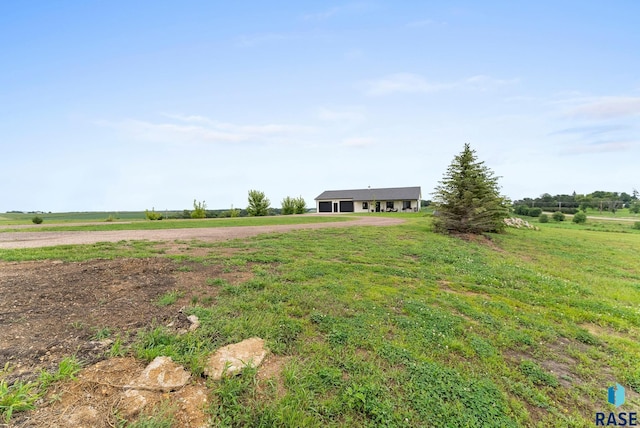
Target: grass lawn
pixel 398 326
pixel 186 224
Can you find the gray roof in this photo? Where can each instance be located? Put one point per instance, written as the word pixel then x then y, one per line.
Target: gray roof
pixel 384 194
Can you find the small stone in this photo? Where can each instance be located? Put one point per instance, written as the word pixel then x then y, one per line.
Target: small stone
pixel 195 322
pixel 233 358
pixel 162 374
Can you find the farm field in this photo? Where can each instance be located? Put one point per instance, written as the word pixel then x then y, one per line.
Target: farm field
pixel 366 326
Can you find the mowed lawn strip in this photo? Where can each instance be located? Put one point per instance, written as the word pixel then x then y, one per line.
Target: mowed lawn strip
pixel 397 326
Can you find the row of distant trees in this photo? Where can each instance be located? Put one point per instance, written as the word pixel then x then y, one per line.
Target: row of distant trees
pixel 571 204
pixel 258 205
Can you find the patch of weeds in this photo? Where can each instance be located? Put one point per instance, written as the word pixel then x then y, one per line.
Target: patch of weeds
pixel 184 268
pixel 439 393
pixel 530 394
pixel 229 410
pixel 117 348
pixel 17 397
pixel 207 300
pixel 587 338
pixel 367 398
pixel 483 348
pixel 101 333
pixel 633 380
pixel 67 369
pixel 537 375
pixel 194 300
pixel 77 325
pixel 169 298
pixel 394 354
pixel 284 335
pixel 216 282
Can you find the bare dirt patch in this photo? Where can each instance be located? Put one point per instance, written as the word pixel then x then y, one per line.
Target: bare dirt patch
pixel 52 309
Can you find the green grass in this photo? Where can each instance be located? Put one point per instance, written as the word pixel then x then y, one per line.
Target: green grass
pixel 17 397
pixel 100 250
pixel 19 218
pixel 184 224
pixel 169 298
pixel 22 396
pixel 400 327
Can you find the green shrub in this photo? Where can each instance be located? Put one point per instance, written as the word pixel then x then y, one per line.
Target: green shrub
pixel 535 212
pixel 543 218
pixel 37 220
pixel 199 209
pixel 300 206
pixel 636 225
pixel 580 218
pixel 521 210
pixel 558 216
pixel 288 206
pixel 152 215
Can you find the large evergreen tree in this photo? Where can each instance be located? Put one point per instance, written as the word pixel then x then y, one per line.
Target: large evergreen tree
pixel 467 199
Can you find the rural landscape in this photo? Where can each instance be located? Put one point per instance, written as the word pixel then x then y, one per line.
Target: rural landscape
pixel 375 319
pixel 345 214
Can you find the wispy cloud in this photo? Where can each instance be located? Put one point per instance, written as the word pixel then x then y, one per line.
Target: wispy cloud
pixel 201 129
pixel 591 131
pixel 606 108
pixel 600 147
pixel 414 83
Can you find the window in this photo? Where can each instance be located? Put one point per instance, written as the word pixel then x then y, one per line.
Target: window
pixel 406 205
pixel 389 205
pixel 365 205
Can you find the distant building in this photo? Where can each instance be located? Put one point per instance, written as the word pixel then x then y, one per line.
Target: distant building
pixel 391 199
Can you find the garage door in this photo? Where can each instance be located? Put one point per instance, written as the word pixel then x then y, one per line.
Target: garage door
pixel 346 206
pixel 324 207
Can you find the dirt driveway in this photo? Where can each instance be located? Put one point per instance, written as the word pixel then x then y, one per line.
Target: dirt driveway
pixel 49 239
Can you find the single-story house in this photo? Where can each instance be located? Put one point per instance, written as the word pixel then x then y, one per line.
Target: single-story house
pixel 392 199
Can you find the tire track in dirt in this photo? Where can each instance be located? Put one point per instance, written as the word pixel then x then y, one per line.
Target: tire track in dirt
pixel 12 240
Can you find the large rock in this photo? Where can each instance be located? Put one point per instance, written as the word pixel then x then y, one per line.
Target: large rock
pixel 162 374
pixel 231 359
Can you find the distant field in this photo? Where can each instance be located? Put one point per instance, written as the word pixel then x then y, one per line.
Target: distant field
pixel 16 218
pixel 183 224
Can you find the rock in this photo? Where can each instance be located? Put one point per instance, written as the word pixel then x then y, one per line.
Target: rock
pixel 518 223
pixel 195 322
pixel 191 402
pixel 132 402
pixel 231 359
pixel 162 374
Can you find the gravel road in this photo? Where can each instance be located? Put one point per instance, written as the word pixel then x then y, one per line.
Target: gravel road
pixel 49 239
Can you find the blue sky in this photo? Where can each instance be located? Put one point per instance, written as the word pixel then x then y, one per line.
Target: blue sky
pixel 128 105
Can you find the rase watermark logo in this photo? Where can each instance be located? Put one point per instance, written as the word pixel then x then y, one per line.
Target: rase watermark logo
pixel 615 396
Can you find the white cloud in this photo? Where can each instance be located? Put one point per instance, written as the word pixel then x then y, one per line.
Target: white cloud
pixel 600 147
pixel 607 108
pixel 414 83
pixel 201 129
